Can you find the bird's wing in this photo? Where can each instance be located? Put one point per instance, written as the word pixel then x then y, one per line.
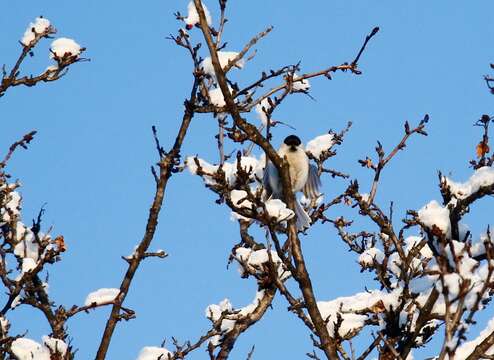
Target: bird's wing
pixel 313 184
pixel 269 172
pixel 303 219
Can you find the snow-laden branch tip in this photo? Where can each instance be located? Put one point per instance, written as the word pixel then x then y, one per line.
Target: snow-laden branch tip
pixel 278 210
pixel 153 353
pixel 320 144
pixel 239 199
pixel 192 18
pixel 12 206
pixel 225 57
pixel 64 47
pixel 216 96
pixel 434 215
pixel 214 313
pixel 370 256
pixel 39 26
pixel 55 345
pixel 351 312
pixel 482 177
pixel 252 260
pixel 247 163
pixel 28 264
pixel 101 296
pixel 27 349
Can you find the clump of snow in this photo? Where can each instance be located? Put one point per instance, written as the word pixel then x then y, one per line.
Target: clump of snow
pixel 435 214
pixel 55 345
pixel 62 46
pixel 371 255
pixel 216 96
pixel 254 260
pixel 213 312
pixel 452 283
pixel 482 177
pixel 224 57
pixel 193 17
pixel 193 166
pixel 11 208
pixel 466 269
pixel 101 296
pixel 278 210
pixel 153 353
pixel 27 349
pixel 27 265
pixel 413 241
pixel 27 247
pixel 261 114
pixel 372 302
pixel 320 144
pixel 239 199
pixel 40 25
pixel 301 85
pixel 247 163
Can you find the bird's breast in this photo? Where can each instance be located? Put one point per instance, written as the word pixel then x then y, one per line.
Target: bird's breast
pixel 299 169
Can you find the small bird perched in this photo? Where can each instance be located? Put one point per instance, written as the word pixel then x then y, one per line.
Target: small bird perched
pixel 304 177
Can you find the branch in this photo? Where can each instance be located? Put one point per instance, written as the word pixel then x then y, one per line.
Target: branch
pixel 26 139
pixel 384 160
pixel 167 166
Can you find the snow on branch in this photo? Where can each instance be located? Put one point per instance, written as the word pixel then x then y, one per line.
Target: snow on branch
pixel 101 296
pixel 39 27
pixel 63 50
pixel 226 58
pixel 225 317
pixel 482 178
pixel 192 18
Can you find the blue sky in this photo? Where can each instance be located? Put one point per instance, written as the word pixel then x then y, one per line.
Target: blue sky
pixel 90 161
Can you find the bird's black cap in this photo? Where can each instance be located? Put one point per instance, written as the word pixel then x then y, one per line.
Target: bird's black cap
pixel 292 140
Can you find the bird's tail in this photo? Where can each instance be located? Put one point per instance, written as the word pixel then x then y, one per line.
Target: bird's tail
pixel 303 219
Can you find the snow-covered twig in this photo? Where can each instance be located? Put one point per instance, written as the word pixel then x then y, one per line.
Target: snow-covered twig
pixel 41 28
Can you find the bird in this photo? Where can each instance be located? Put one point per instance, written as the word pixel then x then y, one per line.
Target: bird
pixel 303 175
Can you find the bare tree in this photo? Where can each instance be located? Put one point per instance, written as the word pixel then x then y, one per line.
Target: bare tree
pixel 432 276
